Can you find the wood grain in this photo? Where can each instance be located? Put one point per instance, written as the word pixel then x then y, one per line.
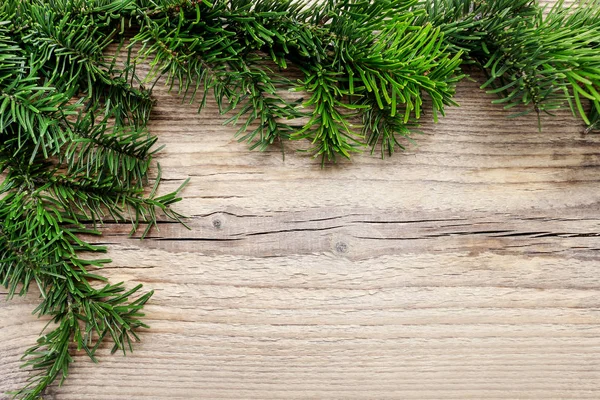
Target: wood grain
pixel 464 268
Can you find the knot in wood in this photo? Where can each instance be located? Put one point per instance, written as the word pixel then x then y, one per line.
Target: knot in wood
pixel 341 247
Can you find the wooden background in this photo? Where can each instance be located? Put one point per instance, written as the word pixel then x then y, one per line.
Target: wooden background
pixel 464 268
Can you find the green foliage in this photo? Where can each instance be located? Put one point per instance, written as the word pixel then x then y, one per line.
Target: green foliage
pixel 76 152
pixel 348 51
pixel 536 59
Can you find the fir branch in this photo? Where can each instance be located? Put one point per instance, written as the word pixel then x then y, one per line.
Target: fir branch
pixel 322 36
pixel 262 104
pixel 542 62
pixel 385 127
pixel 85 320
pixel 34 114
pixel 329 130
pixel 74 55
pixel 39 241
pixel 122 152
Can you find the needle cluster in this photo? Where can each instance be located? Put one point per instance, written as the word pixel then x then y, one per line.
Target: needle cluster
pixel 359 61
pixel 536 59
pixel 75 152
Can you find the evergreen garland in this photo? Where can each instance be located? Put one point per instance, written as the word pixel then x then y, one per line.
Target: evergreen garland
pixel 76 151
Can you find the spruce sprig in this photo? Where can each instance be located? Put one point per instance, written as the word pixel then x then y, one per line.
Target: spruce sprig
pixel 536 59
pixel 347 50
pixel 75 153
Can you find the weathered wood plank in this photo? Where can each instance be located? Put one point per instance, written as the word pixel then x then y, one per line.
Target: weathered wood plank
pixel 463 268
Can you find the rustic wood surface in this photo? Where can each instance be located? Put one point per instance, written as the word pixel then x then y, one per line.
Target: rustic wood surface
pixel 464 268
